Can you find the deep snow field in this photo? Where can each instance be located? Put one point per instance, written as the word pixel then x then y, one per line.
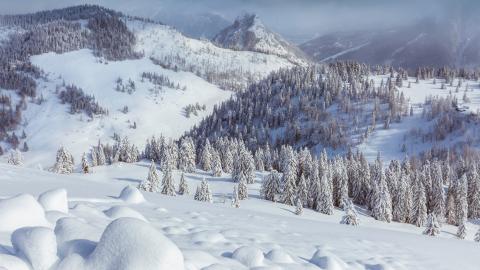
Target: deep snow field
pixel 91 224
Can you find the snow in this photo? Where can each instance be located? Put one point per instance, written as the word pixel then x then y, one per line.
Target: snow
pixel 131 194
pixel 154 113
pixel 249 256
pixel 10 262
pixel 129 243
pixel 208 235
pixel 122 211
pixel 389 142
pixel 328 261
pixel 37 245
pixel 54 200
pixel 20 211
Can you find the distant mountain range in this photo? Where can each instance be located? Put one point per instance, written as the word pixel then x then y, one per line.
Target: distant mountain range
pixel 451 42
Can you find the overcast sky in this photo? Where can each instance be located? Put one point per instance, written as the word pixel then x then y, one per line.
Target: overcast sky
pixel 288 17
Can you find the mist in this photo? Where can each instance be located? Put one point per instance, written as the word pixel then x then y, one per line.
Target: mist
pixel 297 20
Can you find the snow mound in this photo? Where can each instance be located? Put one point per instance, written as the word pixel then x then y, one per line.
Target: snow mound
pixel 122 211
pixel 207 237
pixel 82 247
pixel 129 243
pixel 54 216
pixel 37 245
pixel 279 256
pixel 21 211
pixel 69 228
pixel 249 256
pixel 327 260
pixel 198 259
pixel 54 200
pixel 131 194
pixel 11 262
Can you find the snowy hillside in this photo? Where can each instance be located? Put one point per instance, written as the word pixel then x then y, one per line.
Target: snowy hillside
pixel 154 109
pixel 225 67
pixel 198 235
pixel 248 33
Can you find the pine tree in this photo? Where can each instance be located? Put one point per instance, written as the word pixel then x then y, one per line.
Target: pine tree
pixel 183 186
pixel 325 196
pixel 216 164
pixel 381 200
pixel 101 159
pixel 438 193
pixel 461 231
pixel 473 192
pixel 152 183
pixel 242 187
pixel 227 162
pixel 235 199
pixel 64 162
pixel 461 207
pixel 15 158
pixel 259 160
pixel 168 185
pixel 206 156
pixel 203 193
pixel 350 217
pixel 187 155
pixel 271 186
pixel 302 190
pixel 288 193
pixel 299 207
pixel 433 229
pixel 85 165
pixel 450 209
pixel 420 205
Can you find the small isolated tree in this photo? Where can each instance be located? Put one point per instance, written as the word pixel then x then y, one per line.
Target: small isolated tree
pixel 183 186
pixel 242 187
pixel 64 162
pixel 299 207
pixel 271 186
pixel 235 199
pixel 350 217
pixel 433 229
pixel 216 164
pixel 462 231
pixel 168 186
pixel 203 193
pixel 15 158
pixel 85 165
pixel 151 184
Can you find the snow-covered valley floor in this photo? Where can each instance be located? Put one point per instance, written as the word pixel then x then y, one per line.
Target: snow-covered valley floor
pixel 258 235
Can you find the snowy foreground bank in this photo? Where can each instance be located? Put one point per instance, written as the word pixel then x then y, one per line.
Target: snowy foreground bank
pixel 101 221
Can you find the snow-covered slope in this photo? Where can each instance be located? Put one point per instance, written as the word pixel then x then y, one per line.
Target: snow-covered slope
pixel 222 66
pixel 155 111
pixel 248 33
pixel 200 235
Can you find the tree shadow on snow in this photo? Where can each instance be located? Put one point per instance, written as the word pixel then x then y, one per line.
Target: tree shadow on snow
pixel 126 179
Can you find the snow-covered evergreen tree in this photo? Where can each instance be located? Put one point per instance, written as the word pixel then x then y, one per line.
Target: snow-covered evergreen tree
pixel 15 157
pixel 168 185
pixel 438 193
pixel 461 231
pixel 325 196
pixel 85 165
pixel 242 187
pixel 302 190
pixel 259 160
pixel 216 164
pixel 235 199
pixel 420 205
pixel 461 207
pixel 64 162
pixel 477 235
pixel 152 183
pixel 350 217
pixel 187 155
pixel 289 180
pixel 183 186
pixel 206 156
pixel 203 192
pixel 271 186
pixel 433 229
pixel 381 200
pixel 299 207
pixel 473 192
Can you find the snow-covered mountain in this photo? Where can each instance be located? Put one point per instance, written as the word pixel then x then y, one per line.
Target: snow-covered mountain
pixel 248 33
pixel 453 41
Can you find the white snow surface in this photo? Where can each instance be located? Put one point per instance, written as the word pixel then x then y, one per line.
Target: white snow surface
pixel 186 234
pixel 54 200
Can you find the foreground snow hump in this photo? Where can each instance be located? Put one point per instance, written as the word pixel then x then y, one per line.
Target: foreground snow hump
pixel 11 262
pixel 54 200
pixel 116 212
pixel 37 245
pixel 21 211
pixel 327 260
pixel 131 244
pixel 249 256
pixel 131 194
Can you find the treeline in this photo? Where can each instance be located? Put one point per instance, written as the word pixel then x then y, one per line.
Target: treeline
pixel 80 102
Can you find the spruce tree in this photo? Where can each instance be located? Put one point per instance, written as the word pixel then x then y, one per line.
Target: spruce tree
pixel 473 192
pixel 350 217
pixel 152 183
pixel 433 229
pixel 420 205
pixel 187 155
pixel 325 196
pixel 206 156
pixel 299 207
pixel 235 199
pixel 15 157
pixel 203 193
pixel 271 186
pixel 168 185
pixel 461 207
pixel 64 162
pixel 216 164
pixel 302 190
pixel 183 186
pixel 288 193
pixel 242 187
pixel 381 200
pixel 461 231
pixel 85 165
pixel 438 193
pixel 477 235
